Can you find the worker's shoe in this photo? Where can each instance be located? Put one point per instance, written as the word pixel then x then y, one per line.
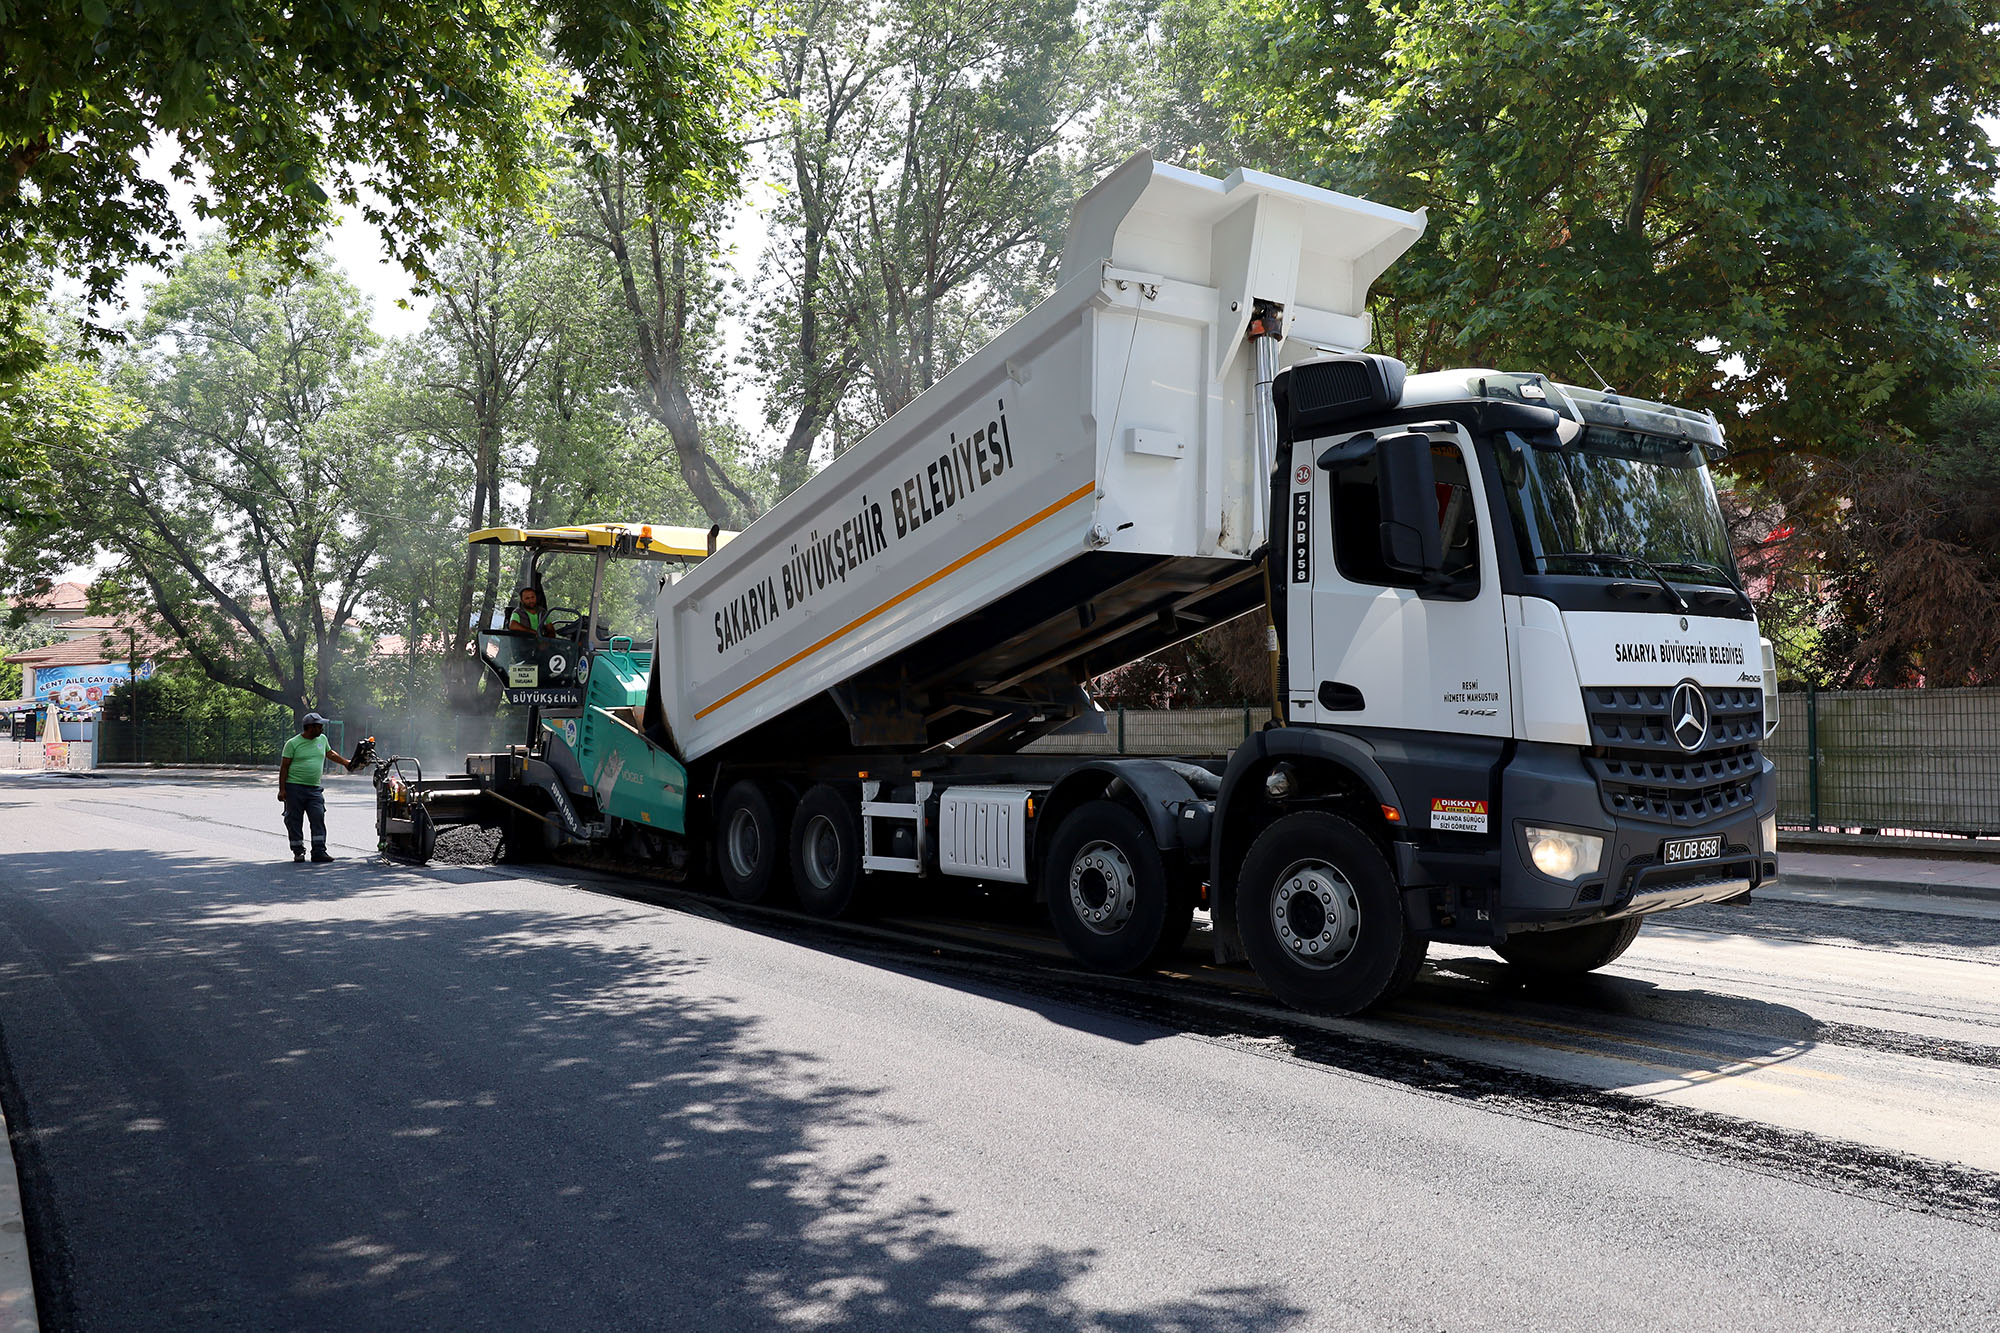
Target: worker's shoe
pixel 298 857
pixel 320 856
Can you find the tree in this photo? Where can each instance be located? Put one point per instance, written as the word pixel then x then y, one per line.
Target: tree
pixel 519 401
pixel 1781 212
pixel 1222 667
pixel 20 638
pixel 1908 561
pixel 663 268
pixel 276 110
pixel 1159 85
pixel 58 405
pixel 826 73
pixel 239 526
pixel 921 146
pixel 494 317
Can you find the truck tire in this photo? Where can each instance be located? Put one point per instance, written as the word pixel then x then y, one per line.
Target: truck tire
pixel 1571 952
pixel 826 853
pixel 1321 917
pixel 1114 901
pixel 750 844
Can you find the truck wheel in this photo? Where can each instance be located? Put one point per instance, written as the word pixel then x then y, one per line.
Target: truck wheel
pixel 750 844
pixel 826 853
pixel 1112 898
pixel 1321 918
pixel 1571 952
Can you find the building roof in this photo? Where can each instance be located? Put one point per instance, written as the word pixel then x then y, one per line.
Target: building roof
pixel 66 596
pixel 90 649
pixel 396 645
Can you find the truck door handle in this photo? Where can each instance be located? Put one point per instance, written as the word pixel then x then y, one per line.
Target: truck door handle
pixel 1335 697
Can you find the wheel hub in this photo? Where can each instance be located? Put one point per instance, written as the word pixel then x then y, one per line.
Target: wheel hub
pixel 745 847
pixel 822 848
pixel 1103 890
pixel 1316 914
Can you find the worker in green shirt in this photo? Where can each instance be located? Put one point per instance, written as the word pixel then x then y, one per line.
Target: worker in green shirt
pixel 300 766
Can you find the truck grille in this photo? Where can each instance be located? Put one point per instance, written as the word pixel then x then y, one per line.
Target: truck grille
pixel 1643 772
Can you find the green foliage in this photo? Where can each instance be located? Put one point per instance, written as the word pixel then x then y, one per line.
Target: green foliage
pixel 243 526
pixel 924 152
pixel 58 407
pixel 1222 667
pixel 178 690
pixel 1162 59
pixel 20 639
pixel 526 401
pixel 1784 212
pixel 1779 211
pixel 1908 563
pixel 666 294
pixel 271 112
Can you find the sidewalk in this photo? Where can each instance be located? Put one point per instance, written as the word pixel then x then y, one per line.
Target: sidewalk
pixel 1848 872
pixel 176 773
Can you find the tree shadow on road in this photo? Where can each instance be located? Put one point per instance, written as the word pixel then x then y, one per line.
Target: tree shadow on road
pixel 338 1098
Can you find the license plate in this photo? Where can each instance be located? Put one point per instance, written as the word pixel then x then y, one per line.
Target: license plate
pixel 1675 850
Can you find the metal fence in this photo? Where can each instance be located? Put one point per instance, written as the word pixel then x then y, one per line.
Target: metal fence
pixel 436 739
pixel 1909 761
pixel 1918 761
pixel 251 741
pixel 1191 731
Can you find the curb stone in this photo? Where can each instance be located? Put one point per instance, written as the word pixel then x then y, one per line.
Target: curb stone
pixel 1844 884
pixel 17 1279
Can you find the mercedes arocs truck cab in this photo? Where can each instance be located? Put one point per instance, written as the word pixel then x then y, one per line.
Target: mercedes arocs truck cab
pixel 1510 608
pixel 1517 693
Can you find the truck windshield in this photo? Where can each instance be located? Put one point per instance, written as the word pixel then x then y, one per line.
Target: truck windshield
pixel 1622 496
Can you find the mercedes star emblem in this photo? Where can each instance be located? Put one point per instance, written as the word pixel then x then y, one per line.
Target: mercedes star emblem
pixel 1688 716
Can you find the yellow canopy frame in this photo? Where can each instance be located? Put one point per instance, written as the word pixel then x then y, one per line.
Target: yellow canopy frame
pixel 644 540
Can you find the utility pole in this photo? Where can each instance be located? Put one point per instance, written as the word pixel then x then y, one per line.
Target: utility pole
pixel 132 683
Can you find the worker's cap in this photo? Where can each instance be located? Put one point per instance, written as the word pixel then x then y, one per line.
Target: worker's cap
pixel 313 720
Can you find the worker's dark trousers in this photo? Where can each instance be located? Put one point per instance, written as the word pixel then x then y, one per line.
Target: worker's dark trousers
pixel 301 804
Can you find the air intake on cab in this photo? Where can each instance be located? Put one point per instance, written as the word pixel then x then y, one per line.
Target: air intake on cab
pixel 1315 395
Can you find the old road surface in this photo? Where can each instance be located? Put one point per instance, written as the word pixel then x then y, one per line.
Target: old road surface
pixel 247 1094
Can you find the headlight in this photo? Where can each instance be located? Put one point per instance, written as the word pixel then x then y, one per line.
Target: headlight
pixel 1768 828
pixel 1561 854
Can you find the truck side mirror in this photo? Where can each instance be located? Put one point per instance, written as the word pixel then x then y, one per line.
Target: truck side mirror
pixel 1406 487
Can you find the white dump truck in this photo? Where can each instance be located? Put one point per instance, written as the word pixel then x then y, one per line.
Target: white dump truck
pixel 1518 694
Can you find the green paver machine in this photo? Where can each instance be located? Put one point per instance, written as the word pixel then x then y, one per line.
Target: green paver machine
pixel 590 768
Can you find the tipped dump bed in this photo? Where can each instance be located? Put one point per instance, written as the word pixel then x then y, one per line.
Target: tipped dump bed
pixel 1079 493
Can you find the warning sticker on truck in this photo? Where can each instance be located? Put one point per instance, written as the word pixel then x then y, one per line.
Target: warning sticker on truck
pixel 1458 816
